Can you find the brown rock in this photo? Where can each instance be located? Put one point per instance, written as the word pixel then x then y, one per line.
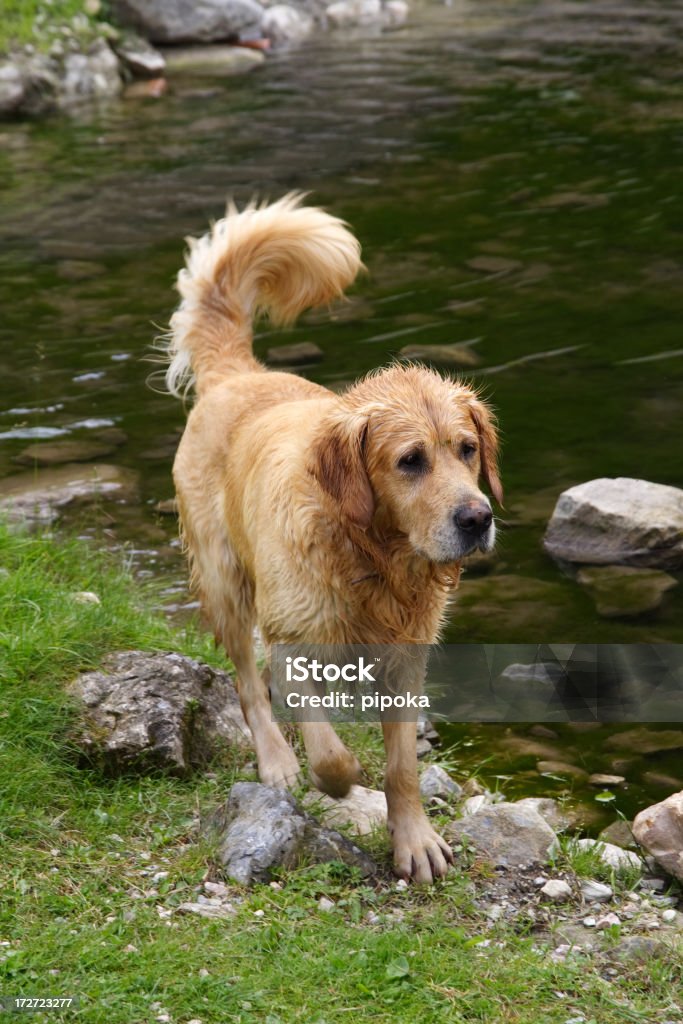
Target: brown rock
pixel 659 829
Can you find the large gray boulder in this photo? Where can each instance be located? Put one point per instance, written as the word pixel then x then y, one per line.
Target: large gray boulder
pixel 187 21
pixel 660 830
pixel 146 710
pixel 507 834
pixel 260 828
pixel 618 521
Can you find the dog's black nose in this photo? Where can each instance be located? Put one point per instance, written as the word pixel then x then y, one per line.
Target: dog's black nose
pixel 474 517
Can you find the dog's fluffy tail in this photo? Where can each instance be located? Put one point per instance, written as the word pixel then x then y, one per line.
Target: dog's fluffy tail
pixel 278 259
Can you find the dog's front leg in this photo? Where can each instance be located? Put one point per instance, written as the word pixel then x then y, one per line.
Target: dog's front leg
pixel 420 853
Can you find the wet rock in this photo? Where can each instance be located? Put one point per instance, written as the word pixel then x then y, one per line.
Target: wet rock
pixel 671 782
pixel 295 355
pixel 167 507
pixel 599 779
pixel 180 21
pixel 619 833
pixel 260 828
pixel 156 710
pixel 613 856
pixel 596 892
pixel 441 355
pixel 507 835
pixel 211 61
pixel 284 24
pixel 659 829
pixel 42 496
pixel 137 55
pixel 12 89
pixel 55 453
pixel 362 809
pixel 346 13
pixel 89 75
pixel 493 265
pixel 435 781
pixel 646 741
pixel 618 521
pixel 622 591
pixel 574 200
pixel 561 768
pixel 80 270
pixel 556 890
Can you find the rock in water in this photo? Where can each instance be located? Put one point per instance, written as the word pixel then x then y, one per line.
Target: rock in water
pixel 622 591
pixel 260 828
pixel 146 710
pixel 660 830
pixel 284 24
pixel 507 835
pixel 618 521
pixel 183 21
pixel 41 496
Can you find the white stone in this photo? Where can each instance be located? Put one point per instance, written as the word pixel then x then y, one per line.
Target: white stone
pixel 610 854
pixel 345 13
pixel 557 890
pixel 596 892
pixel 284 24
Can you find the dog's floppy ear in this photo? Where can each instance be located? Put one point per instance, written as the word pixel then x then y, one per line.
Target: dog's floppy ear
pixel 488 444
pixel 339 467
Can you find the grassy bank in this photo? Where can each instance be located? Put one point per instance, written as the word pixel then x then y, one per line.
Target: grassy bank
pixel 39 24
pixel 92 868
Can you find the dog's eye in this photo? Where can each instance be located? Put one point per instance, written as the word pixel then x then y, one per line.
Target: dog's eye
pixel 467 450
pixel 413 462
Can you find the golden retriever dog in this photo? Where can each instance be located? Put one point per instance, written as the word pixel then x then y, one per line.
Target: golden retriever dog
pixel 320 518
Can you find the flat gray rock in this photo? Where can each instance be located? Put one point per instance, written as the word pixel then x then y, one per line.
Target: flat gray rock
pixel 42 496
pixel 618 521
pixel 56 453
pixel 146 710
pixel 435 781
pixel 211 61
pixel 507 835
pixel 261 828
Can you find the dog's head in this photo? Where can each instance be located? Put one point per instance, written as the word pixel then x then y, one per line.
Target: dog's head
pixel 405 454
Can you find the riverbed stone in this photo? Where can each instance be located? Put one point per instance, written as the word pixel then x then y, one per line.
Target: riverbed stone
pixel 623 591
pixel 212 61
pixel 507 835
pixel 12 88
pixel 55 453
pixel 41 496
pixel 441 355
pixel 642 740
pixel 435 781
pixel 90 74
pixel 348 13
pixel 260 828
pixel 143 710
pixel 362 809
pixel 297 354
pixel 139 56
pixel 613 856
pixel 659 829
pixel 183 21
pixel 284 24
pixel 620 521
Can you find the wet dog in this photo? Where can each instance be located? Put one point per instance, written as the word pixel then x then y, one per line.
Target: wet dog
pixel 320 518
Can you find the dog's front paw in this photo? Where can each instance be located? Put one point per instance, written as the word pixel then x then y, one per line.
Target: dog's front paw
pixel 420 854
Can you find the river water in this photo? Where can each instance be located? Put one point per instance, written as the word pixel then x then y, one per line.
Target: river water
pixel 513 171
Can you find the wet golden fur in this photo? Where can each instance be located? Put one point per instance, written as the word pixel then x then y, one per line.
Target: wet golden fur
pixel 293 511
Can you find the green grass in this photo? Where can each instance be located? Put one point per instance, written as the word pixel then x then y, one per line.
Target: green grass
pixel 39 24
pixel 80 912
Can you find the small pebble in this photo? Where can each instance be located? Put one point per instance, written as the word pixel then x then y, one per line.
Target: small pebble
pixel 557 890
pixel 325 904
pixel 607 921
pixel 401 884
pixel 589 922
pixel 596 892
pixel 668 916
pixel 277 886
pixel 259 913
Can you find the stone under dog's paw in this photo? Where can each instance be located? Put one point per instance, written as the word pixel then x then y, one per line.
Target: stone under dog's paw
pixel 420 854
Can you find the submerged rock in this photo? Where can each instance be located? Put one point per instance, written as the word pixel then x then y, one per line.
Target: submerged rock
pixel 618 521
pixel 646 741
pixel 156 710
pixel 659 829
pixel 55 453
pixel 180 21
pixel 622 591
pixel 42 496
pixel 261 828
pixel 506 834
pixel 211 61
pixel 295 355
pixel 441 355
